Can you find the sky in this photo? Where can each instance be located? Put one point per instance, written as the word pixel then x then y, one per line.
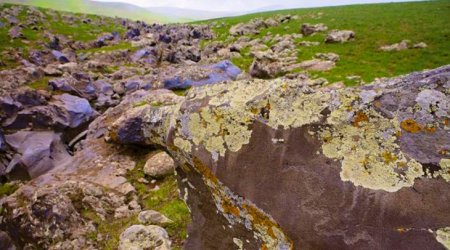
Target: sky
pixel 242 5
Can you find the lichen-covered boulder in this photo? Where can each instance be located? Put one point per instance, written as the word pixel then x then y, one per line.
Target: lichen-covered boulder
pixel 279 165
pixel 139 237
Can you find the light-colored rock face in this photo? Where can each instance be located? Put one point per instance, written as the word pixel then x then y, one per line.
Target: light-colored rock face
pixel 340 36
pixel 159 165
pixel 139 237
pixel 150 217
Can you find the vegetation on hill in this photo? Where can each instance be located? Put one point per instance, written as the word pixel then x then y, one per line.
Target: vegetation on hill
pixel 375 25
pixel 98 8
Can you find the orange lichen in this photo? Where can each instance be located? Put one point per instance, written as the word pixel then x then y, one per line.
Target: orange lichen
pixel 410 126
pixel 430 129
pixel 229 208
pixel 204 170
pixel 259 218
pixel 359 117
pixel 402 230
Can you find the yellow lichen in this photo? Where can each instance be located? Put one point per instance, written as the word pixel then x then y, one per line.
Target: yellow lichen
pixel 369 153
pixel 443 237
pixel 445 169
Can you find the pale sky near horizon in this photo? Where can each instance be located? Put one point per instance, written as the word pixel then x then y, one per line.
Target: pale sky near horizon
pixel 242 5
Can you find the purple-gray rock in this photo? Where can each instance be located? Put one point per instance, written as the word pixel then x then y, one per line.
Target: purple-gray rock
pixel 36 154
pixel 211 74
pixel 60 56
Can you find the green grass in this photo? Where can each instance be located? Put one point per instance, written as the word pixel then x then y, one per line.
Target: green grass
pixel 164 200
pixel 96 8
pixel 7 189
pixel 109 229
pixel 41 84
pixel 375 25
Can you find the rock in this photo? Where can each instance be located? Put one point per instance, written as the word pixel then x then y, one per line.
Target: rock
pixel 15 33
pixel 339 36
pixel 60 56
pixel 420 45
pixel 403 45
pixel 150 217
pixel 52 70
pixel 36 154
pixel 309 29
pixel 140 54
pixel 159 165
pixel 317 65
pixel 199 76
pixel 6 242
pixel 54 211
pixel 327 56
pixel 309 44
pixel 2 142
pixel 251 27
pixel 138 237
pixel 78 110
pixel 326 152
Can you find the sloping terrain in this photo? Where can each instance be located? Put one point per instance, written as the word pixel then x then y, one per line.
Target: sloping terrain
pixel 226 134
pixel 110 9
pixel 375 25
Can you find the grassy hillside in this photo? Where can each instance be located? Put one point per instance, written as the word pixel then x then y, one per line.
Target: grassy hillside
pixel 99 8
pixel 36 39
pixel 375 25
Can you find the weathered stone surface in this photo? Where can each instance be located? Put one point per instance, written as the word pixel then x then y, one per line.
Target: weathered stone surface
pixel 403 45
pixel 150 217
pixel 159 165
pixel 144 237
pixel 202 75
pixel 340 36
pixel 346 168
pixel 36 154
pixel 309 29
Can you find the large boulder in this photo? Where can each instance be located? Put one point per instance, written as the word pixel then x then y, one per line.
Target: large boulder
pixel 63 112
pixel 36 153
pixel 279 165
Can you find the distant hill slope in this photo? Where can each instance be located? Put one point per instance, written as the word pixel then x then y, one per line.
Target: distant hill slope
pixel 100 8
pixel 191 14
pixel 375 25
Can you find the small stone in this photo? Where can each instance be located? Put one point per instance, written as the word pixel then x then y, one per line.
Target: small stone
pixel 159 165
pixel 150 217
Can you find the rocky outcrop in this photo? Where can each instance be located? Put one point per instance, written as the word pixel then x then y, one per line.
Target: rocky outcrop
pixel 340 36
pixel 278 165
pixel 309 29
